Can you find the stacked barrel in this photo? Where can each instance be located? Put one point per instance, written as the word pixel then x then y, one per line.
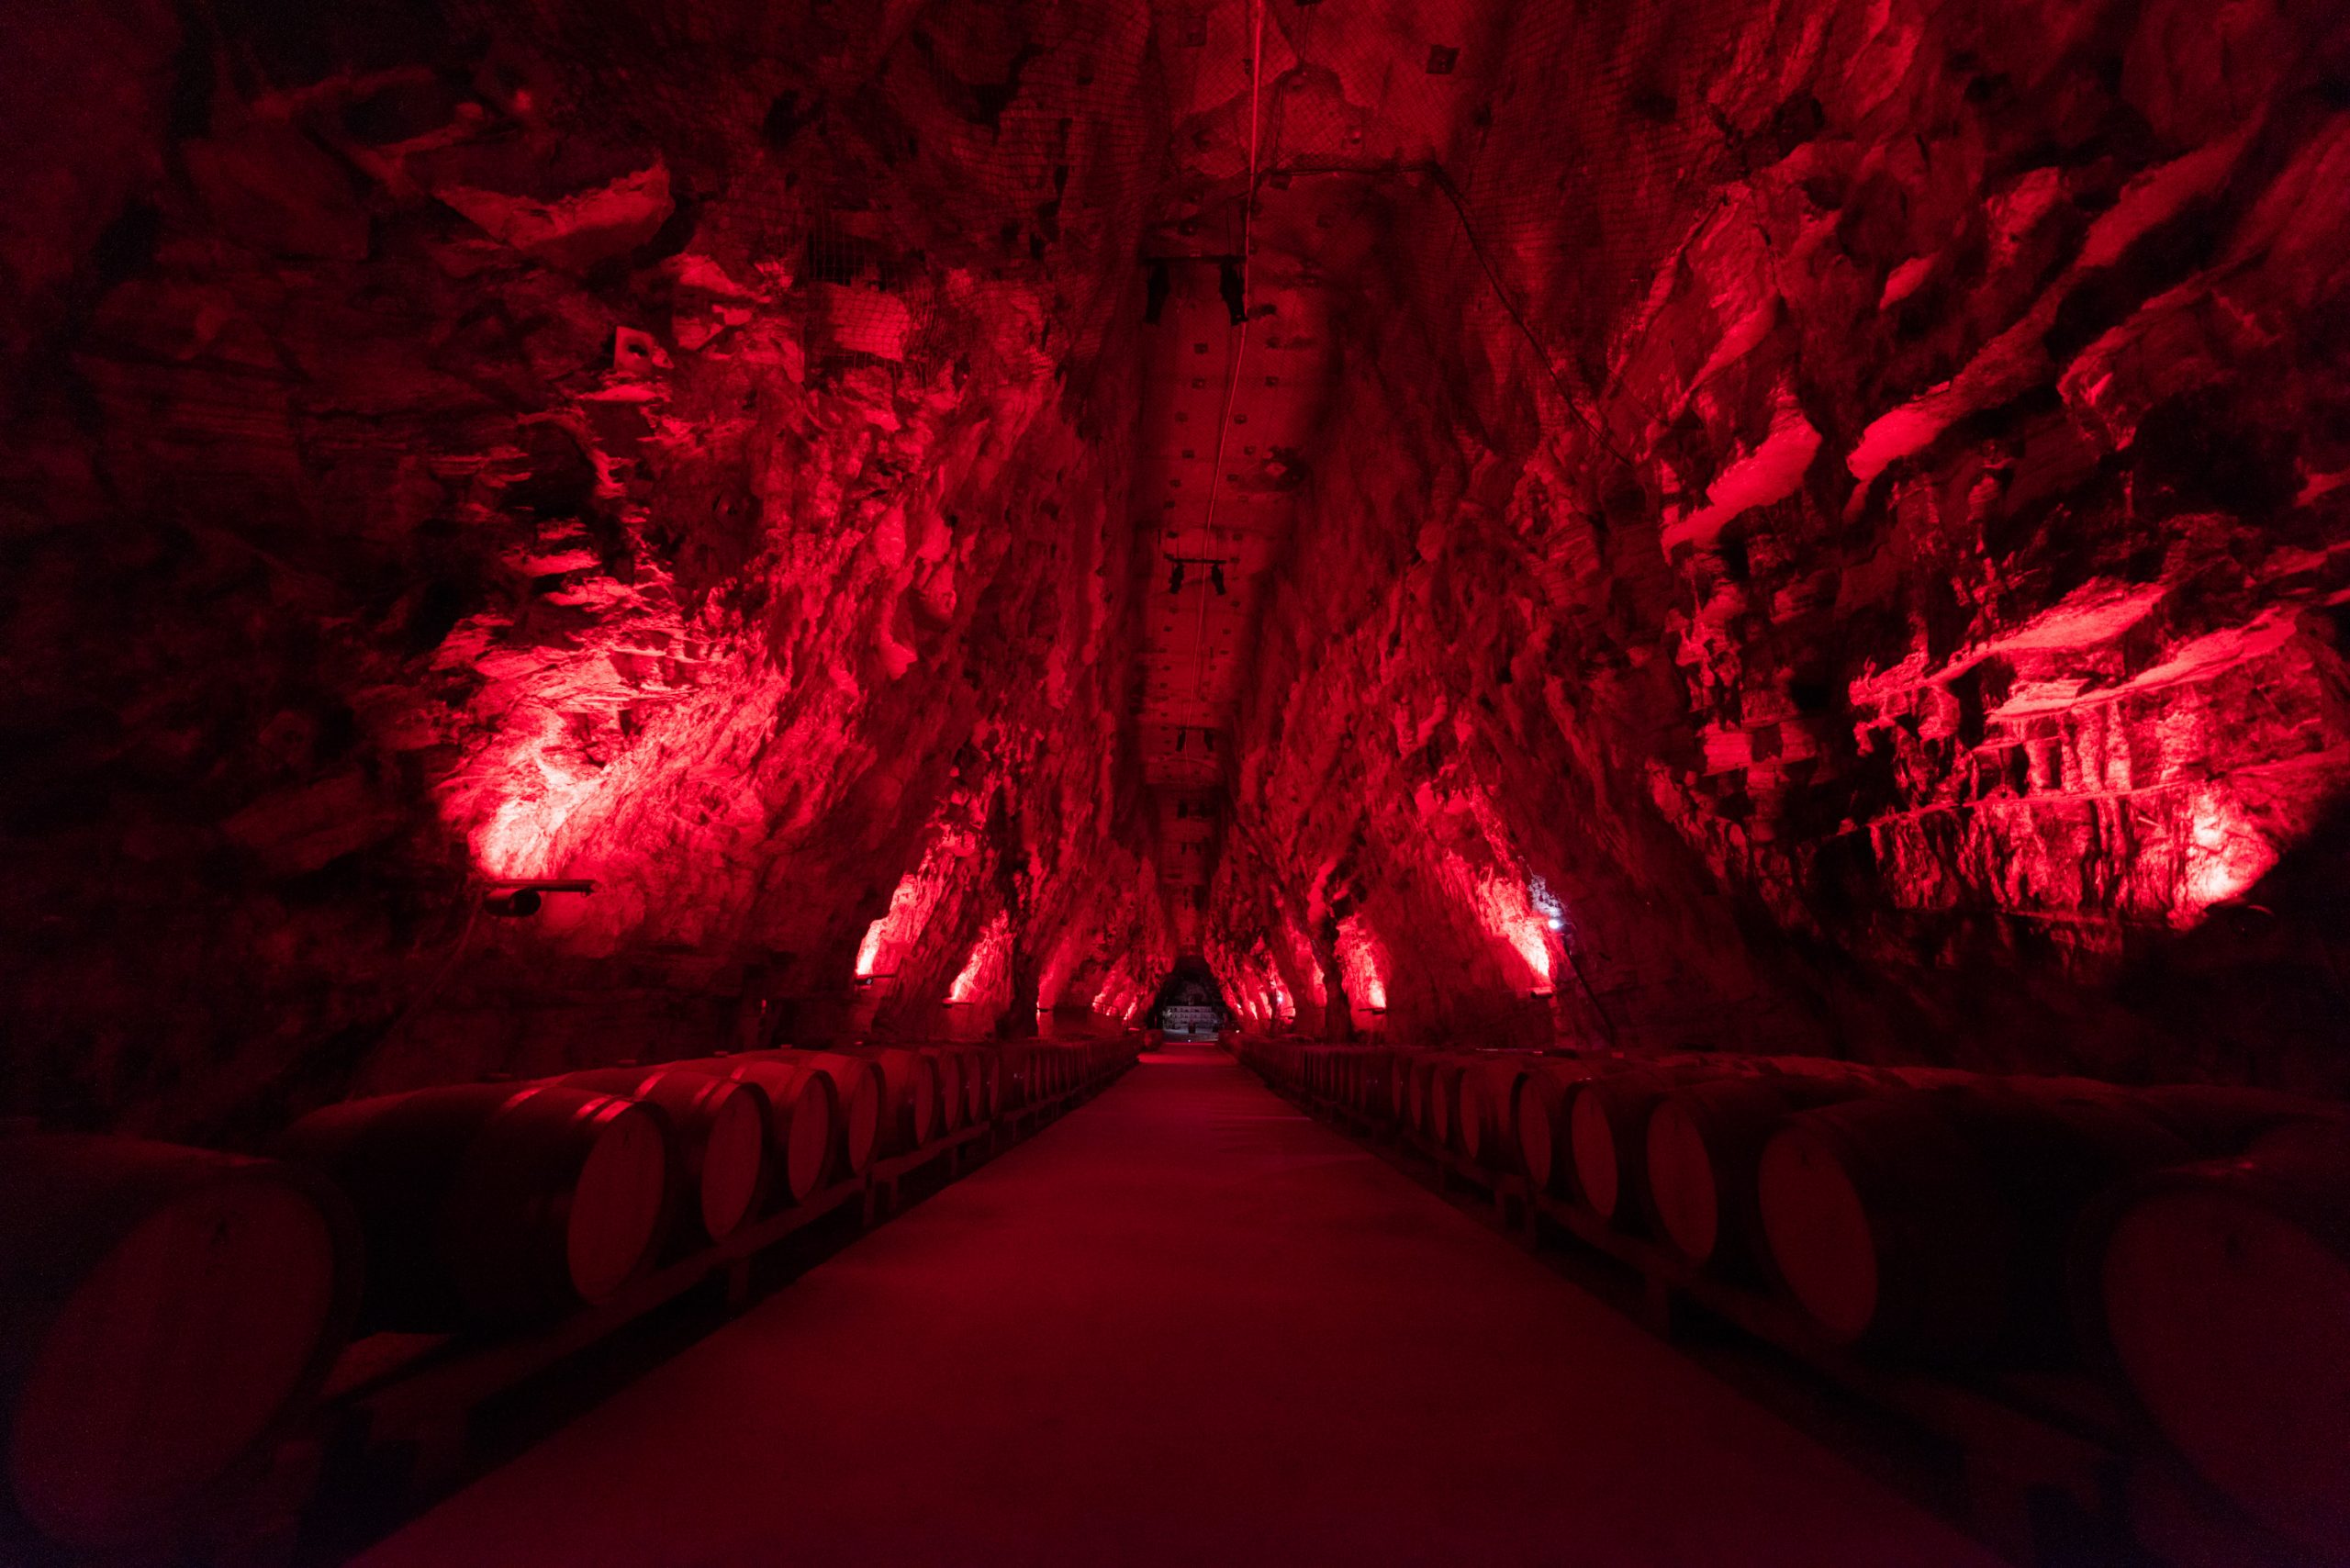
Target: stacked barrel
pixel 168 1312
pixel 1041 1073
pixel 2192 1244
pixel 172 1313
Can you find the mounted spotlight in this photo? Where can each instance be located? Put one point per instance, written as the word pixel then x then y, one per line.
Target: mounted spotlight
pixel 518 898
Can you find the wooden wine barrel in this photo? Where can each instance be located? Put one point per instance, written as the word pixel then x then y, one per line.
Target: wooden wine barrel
pixel 1469 1109
pixel 2225 1292
pixel 1373 1095
pixel 2218 1119
pixel 992 1086
pixel 910 1105
pixel 1544 1142
pixel 165 1312
pixel 954 1108
pixel 1489 1111
pixel 1416 1091
pixel 860 1096
pixel 492 1203
pixel 802 1118
pixel 1443 1103
pixel 721 1125
pixel 1935 1221
pixel 803 1110
pixel 975 1085
pixel 1607 1139
pixel 1704 1148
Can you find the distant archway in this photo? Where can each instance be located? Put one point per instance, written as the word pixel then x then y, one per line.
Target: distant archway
pixel 1190 1004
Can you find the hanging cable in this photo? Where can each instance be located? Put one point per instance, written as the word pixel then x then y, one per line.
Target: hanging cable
pixel 1240 343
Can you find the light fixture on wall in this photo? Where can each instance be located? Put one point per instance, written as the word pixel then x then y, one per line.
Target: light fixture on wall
pixel 518 898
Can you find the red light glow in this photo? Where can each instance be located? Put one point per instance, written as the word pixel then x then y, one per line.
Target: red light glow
pixel 2225 855
pixel 1509 913
pixel 541 790
pixel 1359 958
pixel 989 966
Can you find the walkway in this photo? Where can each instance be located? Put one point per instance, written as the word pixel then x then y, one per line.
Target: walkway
pixel 1185 1325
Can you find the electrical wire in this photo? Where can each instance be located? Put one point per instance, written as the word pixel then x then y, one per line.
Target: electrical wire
pixel 1240 343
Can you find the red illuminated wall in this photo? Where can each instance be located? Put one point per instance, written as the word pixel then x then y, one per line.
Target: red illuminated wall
pixel 1847 495
pixel 637 447
pixel 1866 525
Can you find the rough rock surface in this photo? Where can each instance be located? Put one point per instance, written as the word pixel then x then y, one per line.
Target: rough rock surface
pixel 640 443
pixel 1824 526
pixel 1864 523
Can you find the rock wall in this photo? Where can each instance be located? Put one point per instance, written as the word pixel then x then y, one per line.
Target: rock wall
pixel 1850 496
pixel 659 444
pixel 1824 529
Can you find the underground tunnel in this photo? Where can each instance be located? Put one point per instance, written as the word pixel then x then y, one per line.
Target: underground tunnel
pixel 1175 782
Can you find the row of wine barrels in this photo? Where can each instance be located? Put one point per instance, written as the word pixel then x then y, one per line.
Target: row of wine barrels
pixel 969 1083
pixel 861 1094
pixel 1946 1217
pixel 1607 1122
pixel 979 1065
pixel 946 1068
pixel 970 1076
pixel 909 1107
pixel 1485 1116
pixel 1937 1222
pixel 1422 1093
pixel 720 1125
pixel 165 1312
pixel 1545 1102
pixel 2192 1242
pixel 1703 1147
pixel 1062 1066
pixel 494 1203
pixel 1353 1076
pixel 993 1084
pixel 1358 1077
pixel 803 1116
